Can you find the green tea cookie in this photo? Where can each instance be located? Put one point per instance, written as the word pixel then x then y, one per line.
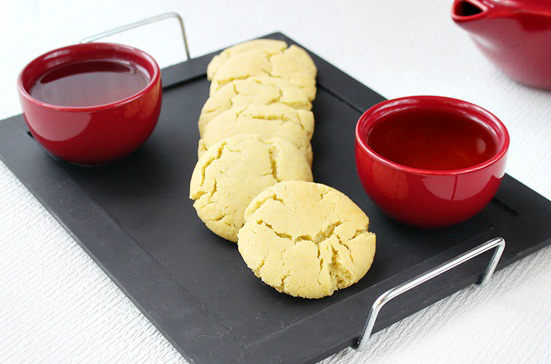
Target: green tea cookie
pixel 267 121
pixel 261 90
pixel 232 172
pixel 255 58
pixel 306 239
pixel 269 46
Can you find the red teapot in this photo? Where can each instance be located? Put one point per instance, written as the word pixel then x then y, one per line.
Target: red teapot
pixel 514 34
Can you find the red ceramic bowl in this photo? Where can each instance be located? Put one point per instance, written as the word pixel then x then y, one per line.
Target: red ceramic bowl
pixel 92 134
pixel 425 197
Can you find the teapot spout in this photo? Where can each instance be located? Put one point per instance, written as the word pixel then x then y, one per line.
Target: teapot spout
pixel 469 13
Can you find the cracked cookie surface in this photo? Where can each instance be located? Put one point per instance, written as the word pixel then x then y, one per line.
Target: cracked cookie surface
pixel 306 239
pixel 231 173
pixel 270 46
pixel 261 90
pixel 267 121
pixel 264 57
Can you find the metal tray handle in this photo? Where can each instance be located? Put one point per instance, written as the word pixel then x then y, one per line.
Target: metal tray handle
pixel 140 23
pixel 497 243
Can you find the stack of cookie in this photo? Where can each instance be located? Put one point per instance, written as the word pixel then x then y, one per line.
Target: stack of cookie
pixel 255 129
pixel 253 181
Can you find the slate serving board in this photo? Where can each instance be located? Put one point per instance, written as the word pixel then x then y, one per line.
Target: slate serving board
pixel 135 220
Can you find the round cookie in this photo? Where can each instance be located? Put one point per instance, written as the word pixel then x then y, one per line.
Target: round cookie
pixel 229 175
pixel 306 239
pixel 292 64
pixel 260 90
pixel 270 46
pixel 275 120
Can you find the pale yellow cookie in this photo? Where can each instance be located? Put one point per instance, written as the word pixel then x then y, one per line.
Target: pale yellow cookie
pixel 270 46
pixel 234 171
pixel 275 120
pixel 257 59
pixel 306 239
pixel 260 90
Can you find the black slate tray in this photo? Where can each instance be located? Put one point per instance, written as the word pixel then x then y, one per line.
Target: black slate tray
pixel 134 219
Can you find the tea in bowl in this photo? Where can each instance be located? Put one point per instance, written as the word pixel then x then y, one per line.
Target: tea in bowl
pixel 430 161
pixel 91 103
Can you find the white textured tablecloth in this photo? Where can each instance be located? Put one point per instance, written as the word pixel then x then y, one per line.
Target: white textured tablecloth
pixel 56 305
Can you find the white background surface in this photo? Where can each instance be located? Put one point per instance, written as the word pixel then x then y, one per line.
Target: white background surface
pixel 56 305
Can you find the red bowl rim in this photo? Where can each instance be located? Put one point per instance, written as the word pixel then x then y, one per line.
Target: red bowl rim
pixel 153 79
pixel 490 120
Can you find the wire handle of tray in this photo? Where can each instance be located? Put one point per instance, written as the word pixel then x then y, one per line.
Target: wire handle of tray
pixel 140 23
pixel 498 244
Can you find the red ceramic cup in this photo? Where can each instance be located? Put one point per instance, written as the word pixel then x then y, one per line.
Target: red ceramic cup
pixel 92 134
pixel 424 197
